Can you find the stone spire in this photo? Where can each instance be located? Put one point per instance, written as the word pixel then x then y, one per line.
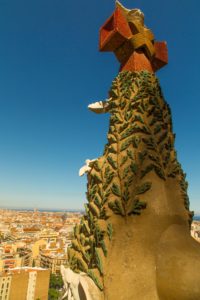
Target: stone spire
pixel 134 239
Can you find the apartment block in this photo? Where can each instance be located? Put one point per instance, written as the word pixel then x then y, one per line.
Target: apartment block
pixel 24 284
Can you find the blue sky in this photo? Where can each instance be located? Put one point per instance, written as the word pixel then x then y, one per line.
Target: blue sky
pixel 50 70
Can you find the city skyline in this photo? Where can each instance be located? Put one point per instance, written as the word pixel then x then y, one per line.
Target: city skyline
pixel 50 70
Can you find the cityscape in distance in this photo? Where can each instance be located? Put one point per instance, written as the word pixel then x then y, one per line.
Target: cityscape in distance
pixel 34 243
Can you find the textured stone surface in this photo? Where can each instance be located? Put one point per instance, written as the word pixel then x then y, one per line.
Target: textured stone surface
pixel 137 198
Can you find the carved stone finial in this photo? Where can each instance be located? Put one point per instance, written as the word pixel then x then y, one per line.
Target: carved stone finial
pixel 125 34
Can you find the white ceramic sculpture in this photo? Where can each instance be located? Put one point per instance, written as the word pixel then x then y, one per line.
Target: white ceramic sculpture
pixel 86 168
pixel 72 282
pixel 100 106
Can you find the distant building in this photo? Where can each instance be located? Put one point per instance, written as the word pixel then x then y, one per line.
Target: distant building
pixel 48 236
pixel 24 284
pixel 52 256
pixel 36 246
pixel 195 230
pixel 12 257
pixel 53 262
pixel 5 284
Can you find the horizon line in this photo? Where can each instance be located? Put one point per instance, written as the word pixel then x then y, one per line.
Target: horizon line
pixel 40 208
